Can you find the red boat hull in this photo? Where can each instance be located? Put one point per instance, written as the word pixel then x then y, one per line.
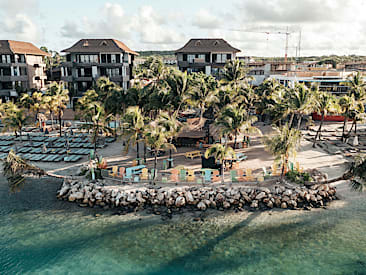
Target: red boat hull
pixel 336 118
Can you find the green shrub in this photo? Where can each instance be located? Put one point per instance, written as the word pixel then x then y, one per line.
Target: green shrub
pixel 297 177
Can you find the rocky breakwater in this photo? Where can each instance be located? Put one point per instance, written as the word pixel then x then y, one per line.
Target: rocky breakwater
pixel 219 197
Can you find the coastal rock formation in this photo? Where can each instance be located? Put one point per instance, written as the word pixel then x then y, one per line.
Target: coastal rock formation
pixel 199 197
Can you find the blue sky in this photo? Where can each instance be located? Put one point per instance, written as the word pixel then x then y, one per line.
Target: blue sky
pixel 328 26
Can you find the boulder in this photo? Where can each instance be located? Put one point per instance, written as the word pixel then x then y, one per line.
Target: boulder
pixel 226 204
pixel 189 197
pixel 180 201
pixel 260 196
pixel 201 206
pixel 219 197
pixel 254 204
pixel 284 205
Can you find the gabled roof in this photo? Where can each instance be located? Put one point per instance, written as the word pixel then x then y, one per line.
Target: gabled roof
pixel 206 45
pixel 99 45
pixel 18 47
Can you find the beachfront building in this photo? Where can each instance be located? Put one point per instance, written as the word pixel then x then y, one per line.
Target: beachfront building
pixel 89 59
pixel 205 55
pixel 329 81
pixel 22 68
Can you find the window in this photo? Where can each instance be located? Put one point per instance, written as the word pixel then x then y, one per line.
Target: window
pixel 228 56
pixel 198 43
pixel 113 58
pixel 104 58
pixel 216 43
pixel 184 57
pixel 191 58
pixel 118 58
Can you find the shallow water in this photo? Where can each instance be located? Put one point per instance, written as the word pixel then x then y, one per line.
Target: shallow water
pixel 40 235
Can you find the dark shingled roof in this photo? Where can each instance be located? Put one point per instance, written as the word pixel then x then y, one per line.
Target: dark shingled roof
pixel 99 45
pixel 18 47
pixel 206 45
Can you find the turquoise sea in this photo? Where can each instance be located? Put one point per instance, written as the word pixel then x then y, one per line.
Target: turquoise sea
pixel 40 235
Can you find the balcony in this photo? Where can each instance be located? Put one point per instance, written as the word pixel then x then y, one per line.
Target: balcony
pixel 84 78
pixel 68 78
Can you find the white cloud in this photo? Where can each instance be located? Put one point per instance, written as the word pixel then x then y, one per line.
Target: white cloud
pixel 206 20
pixel 17 20
pixel 144 27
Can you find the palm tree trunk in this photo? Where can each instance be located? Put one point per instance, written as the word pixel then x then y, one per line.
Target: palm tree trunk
pixel 222 171
pixel 299 122
pixel 138 150
pixel 145 151
pixel 318 133
pixel 291 119
pixel 155 163
pixel 344 129
pixel 236 136
pixel 283 168
pixel 59 118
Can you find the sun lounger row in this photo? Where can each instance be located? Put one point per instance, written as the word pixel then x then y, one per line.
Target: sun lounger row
pixel 6 142
pixel 7 138
pixel 3 156
pixel 50 158
pixel 33 144
pixel 80 151
pixel 5 149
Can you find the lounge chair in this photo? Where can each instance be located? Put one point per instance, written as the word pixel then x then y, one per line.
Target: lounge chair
pixel 191 177
pixel 174 175
pixel 234 175
pixel 207 176
pixel 215 176
pixel 182 175
pixel 114 171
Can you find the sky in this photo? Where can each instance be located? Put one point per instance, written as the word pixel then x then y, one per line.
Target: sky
pixel 327 26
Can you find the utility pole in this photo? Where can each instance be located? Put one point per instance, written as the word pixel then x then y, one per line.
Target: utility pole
pixel 299 44
pixel 286 48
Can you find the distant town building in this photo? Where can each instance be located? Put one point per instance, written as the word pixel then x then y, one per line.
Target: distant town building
pixel 89 59
pixel 205 55
pixel 22 68
pixel 329 81
pixel 355 66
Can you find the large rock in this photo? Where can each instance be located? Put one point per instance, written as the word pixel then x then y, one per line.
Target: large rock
pixel 180 201
pixel 260 196
pixel 201 206
pixel 284 205
pixel 226 204
pixel 189 197
pixel 220 197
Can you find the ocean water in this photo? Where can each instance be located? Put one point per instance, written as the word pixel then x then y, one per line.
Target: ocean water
pixel 40 235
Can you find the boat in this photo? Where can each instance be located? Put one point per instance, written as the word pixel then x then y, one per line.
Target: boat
pixel 335 118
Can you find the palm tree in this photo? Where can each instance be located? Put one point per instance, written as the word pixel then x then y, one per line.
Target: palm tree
pixel 220 152
pixel 133 125
pixel 59 101
pixel 157 139
pixel 97 120
pixel 236 120
pixel 357 90
pixel 203 93
pixel 300 102
pixel 357 86
pixel 13 117
pixel 234 73
pixel 284 144
pixel 170 125
pixel 15 169
pixel 356 173
pixel 346 104
pixel 324 103
pixel 179 86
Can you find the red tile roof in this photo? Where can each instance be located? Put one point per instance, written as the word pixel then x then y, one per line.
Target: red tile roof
pixel 18 47
pixel 99 45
